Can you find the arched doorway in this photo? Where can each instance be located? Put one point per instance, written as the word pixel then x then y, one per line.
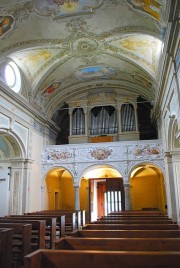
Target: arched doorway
pixel 59 189
pixel 12 182
pixel 147 188
pixel 101 191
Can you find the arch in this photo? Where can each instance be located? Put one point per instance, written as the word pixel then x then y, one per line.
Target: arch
pixel 15 141
pixel 147 188
pixel 48 168
pixel 58 189
pixel 12 149
pixel 95 183
pixel 98 166
pixel 173 143
pixel 145 163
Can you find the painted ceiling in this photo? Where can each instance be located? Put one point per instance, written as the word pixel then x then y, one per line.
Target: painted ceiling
pixel 66 49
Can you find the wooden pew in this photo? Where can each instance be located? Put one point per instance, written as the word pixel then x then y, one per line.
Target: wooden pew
pixel 132 221
pixel 80 215
pixel 60 222
pixel 70 218
pixel 128 233
pixel 99 259
pixel 131 226
pixel 21 240
pixel 37 232
pixel 119 244
pixel 134 217
pixel 136 212
pixel 50 234
pixel 6 244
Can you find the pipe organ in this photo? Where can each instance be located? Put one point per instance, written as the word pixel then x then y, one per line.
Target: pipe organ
pixel 105 120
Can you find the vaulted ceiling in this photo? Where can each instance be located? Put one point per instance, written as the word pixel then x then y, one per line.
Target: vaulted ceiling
pixel 69 49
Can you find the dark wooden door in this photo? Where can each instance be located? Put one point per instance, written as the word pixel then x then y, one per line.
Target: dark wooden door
pixel 101 189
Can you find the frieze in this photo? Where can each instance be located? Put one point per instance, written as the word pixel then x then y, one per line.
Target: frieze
pixel 123 151
pixel 123 156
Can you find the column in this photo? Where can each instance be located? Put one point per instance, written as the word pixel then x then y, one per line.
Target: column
pixel 136 119
pixel 76 197
pixel 127 189
pixel 70 122
pixel 170 187
pixel 86 121
pixel 26 185
pixel 119 120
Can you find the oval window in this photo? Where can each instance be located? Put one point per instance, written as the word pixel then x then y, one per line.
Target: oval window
pixel 12 76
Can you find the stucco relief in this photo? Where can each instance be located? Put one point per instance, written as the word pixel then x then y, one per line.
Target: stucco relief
pixel 59 156
pixel 54 155
pixel 100 153
pixel 148 151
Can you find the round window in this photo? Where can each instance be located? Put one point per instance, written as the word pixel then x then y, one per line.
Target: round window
pixel 12 76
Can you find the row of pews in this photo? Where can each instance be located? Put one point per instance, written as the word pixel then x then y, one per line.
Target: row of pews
pixel 23 234
pixel 128 239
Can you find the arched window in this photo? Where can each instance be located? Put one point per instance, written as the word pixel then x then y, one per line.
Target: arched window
pixel 78 122
pixel 103 120
pixel 128 117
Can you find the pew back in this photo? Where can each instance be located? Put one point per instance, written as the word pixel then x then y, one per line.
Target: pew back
pixel 117 244
pixel 6 240
pixel 131 226
pixel 99 259
pixel 127 233
pixel 37 233
pixel 21 240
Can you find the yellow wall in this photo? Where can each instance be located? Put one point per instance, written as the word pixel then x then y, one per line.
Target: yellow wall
pixel 147 190
pixel 84 196
pixel 60 190
pixel 53 185
pixel 67 191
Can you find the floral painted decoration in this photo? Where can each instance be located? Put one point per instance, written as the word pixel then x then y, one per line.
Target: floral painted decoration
pixel 100 154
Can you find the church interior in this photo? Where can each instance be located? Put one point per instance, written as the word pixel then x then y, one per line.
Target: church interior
pixel 90 123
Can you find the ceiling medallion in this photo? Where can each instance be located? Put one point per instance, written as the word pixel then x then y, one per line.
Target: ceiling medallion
pixel 85 46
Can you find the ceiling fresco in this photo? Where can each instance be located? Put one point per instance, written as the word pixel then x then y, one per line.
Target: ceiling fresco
pixel 64 8
pixel 66 49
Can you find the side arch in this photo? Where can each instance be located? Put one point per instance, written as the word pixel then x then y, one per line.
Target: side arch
pixel 58 189
pixel 147 188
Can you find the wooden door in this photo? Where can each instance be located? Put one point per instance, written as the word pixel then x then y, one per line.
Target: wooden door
pixel 101 189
